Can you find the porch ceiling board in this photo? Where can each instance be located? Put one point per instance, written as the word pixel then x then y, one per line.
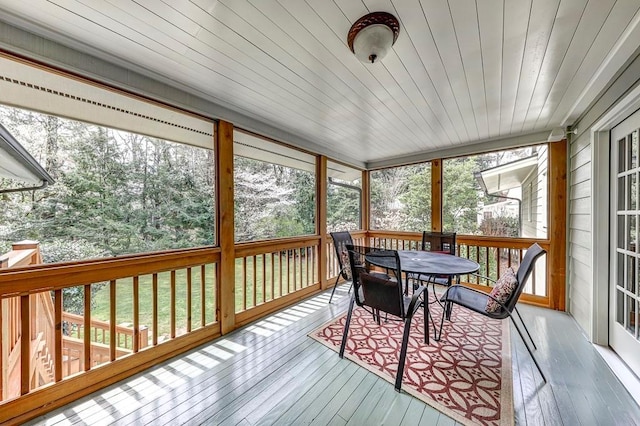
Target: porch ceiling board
pixel 460 73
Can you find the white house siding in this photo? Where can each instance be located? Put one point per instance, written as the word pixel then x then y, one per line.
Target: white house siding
pixel 534 197
pixel 581 227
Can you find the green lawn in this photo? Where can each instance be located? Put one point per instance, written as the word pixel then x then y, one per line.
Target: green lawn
pixel 124 293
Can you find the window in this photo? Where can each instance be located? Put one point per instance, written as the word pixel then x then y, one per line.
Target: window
pixel 344 197
pixel 275 190
pixel 401 198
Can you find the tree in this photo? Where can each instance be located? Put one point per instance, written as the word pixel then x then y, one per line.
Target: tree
pixel 461 196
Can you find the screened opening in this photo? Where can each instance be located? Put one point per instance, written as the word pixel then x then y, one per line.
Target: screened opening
pixel 401 198
pixel 501 193
pixel 113 192
pixel 344 197
pixel 274 189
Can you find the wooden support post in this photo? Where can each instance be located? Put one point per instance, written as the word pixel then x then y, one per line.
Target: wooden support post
pixel 557 255
pixel 366 201
pixel 321 215
pixel 436 195
pixel 225 228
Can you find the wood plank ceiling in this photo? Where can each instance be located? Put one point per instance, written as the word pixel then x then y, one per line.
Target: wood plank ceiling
pixel 461 71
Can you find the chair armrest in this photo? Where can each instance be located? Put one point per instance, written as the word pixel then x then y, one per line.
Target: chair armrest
pixel 414 299
pixel 444 296
pixel 484 277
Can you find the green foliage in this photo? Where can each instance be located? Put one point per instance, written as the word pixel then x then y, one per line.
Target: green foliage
pixel 272 201
pixel 343 208
pixel 461 196
pixel 502 226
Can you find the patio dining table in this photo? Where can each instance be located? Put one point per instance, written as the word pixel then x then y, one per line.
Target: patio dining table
pixel 430 265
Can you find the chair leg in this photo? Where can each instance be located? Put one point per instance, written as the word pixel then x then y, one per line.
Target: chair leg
pixel 525 328
pixel 346 328
pixel 425 313
pixel 334 287
pixel 535 361
pixel 403 352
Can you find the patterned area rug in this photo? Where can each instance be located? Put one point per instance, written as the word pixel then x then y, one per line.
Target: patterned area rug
pixel 467 375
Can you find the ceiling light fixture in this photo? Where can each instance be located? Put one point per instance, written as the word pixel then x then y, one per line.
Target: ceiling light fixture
pixel 373 35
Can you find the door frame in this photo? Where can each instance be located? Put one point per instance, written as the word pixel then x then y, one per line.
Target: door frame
pixel 601 208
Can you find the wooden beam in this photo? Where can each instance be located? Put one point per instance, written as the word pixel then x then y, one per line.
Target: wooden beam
pixel 321 215
pixel 436 195
pixel 557 254
pixel 225 228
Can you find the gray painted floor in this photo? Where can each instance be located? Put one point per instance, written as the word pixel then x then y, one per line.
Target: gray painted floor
pixel 271 373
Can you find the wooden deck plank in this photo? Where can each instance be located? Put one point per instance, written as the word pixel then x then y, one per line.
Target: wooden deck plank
pixel 381 391
pixel 329 411
pixel 287 387
pixel 303 409
pixel 393 413
pixel 414 412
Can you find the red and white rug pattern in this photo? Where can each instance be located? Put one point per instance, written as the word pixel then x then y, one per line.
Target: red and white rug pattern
pixel 467 375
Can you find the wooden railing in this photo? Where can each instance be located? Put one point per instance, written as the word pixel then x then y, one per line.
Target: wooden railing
pixel 494 254
pixel 270 274
pixel 136 286
pixel 100 332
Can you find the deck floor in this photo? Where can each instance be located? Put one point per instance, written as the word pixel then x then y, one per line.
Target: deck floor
pixel 270 372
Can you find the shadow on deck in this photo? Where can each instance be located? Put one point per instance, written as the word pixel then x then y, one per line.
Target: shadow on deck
pixel 270 372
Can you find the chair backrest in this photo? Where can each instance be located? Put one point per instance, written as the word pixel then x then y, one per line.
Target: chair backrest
pixel 524 271
pixel 340 242
pixel 373 288
pixel 443 242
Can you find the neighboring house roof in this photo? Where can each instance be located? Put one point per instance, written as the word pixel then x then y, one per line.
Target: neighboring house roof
pixel 16 163
pixel 506 176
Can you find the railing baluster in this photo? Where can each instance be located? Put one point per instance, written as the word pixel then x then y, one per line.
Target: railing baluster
pixel 486 259
pixel 25 345
pixel 288 271
pixel 87 327
pixel 173 304
pixel 280 272
pixel 203 299
pixel 57 361
pixel 244 283
pixel 112 320
pixel 154 302
pixel 295 269
pixel 314 257
pixel 189 294
pixel 264 277
pixel 255 282
pixel 136 314
pixel 273 277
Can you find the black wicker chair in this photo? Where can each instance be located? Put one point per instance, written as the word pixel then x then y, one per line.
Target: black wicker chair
pixel 340 242
pixel 378 292
pixel 476 300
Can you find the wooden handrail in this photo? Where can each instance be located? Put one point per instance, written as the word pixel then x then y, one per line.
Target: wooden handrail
pixel 271 246
pixel 18 258
pixel 47 277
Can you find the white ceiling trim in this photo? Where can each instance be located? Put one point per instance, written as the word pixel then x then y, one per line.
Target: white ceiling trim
pixel 621 52
pixel 470 149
